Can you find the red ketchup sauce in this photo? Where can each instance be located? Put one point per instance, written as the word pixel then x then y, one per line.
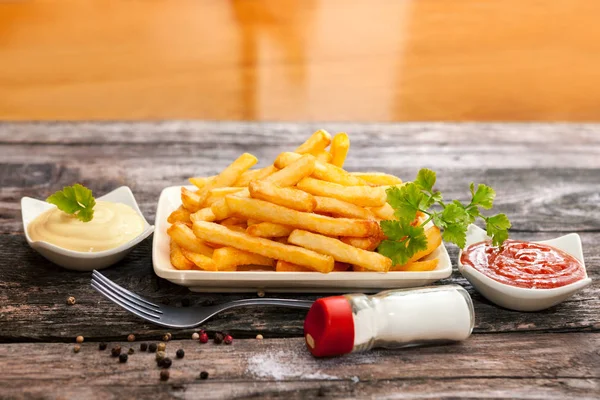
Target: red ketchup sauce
pixel 524 264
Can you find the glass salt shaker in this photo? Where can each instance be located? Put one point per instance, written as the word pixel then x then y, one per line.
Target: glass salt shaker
pixel 391 319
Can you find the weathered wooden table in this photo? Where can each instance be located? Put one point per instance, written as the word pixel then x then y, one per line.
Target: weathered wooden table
pixel 547 178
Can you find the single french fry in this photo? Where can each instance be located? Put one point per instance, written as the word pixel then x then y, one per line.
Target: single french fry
pixel 269 230
pixel 228 176
pixel 341 208
pixel 425 265
pixel 236 228
pixel 325 172
pixel 368 243
pixel 339 149
pixel 265 247
pixel 185 238
pixel 284 196
pixel 220 210
pixel 200 181
pixel 284 266
pixel 254 174
pixel 378 178
pixel 323 156
pixel 204 214
pixel 340 251
pixel 219 193
pixel 179 215
pixel 234 221
pixel 191 200
pixel 385 212
pixel 178 260
pixel 360 195
pixel 200 260
pixel 316 143
pixel 294 171
pixel 269 212
pixel 228 258
pixel 434 239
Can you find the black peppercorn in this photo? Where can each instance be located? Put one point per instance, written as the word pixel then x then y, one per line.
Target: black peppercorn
pixel 123 358
pixel 185 302
pixel 143 346
pixel 203 375
pixel 131 350
pixel 164 375
pixel 218 338
pixel 102 346
pixel 115 351
pixel 152 347
pixel 180 353
pixel 166 363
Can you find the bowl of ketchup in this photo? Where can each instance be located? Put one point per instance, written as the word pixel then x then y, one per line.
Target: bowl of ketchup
pixel 522 275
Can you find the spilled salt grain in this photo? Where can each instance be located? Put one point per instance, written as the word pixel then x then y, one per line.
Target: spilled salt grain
pixel 281 364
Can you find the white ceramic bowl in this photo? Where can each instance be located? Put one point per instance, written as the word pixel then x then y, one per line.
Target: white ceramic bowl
pixel 524 299
pixel 78 260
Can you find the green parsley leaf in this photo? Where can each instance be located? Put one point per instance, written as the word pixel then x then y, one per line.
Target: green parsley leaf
pixel 497 227
pixel 484 196
pixel 404 240
pixel 456 234
pixel 76 200
pixel 425 179
pixel 405 200
pixel 455 214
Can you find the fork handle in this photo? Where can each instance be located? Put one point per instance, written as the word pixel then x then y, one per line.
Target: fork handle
pixel 290 303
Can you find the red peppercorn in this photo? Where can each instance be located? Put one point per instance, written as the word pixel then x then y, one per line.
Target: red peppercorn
pixel 203 338
pixel 228 339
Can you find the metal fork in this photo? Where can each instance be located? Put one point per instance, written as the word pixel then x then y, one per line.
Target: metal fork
pixel 177 317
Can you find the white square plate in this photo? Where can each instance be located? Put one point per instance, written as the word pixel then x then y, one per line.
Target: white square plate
pixel 305 282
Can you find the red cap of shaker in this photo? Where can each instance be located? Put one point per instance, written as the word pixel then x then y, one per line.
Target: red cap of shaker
pixel 329 327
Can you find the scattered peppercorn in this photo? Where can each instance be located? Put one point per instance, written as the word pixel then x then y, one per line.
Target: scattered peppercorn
pixel 152 347
pixel 259 337
pixel 131 350
pixel 160 355
pixel 166 337
pixel 143 346
pixel 131 338
pixel 228 339
pixel 79 339
pixel 180 353
pixel 166 363
pixel 203 375
pixel 164 375
pixel 123 358
pixel 76 348
pixel 195 336
pixel 185 302
pixel 115 351
pixel 162 346
pixel 203 337
pixel 218 338
pixel 70 300
pixel 261 293
pixel 102 346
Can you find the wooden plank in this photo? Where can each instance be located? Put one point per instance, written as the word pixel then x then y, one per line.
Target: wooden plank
pixel 32 301
pixel 502 365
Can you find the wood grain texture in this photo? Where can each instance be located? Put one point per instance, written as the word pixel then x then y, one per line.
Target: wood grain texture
pixel 547 178
pixel 312 60
pixel 543 365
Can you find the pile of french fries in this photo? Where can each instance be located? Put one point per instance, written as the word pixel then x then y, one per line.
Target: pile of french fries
pixel 303 213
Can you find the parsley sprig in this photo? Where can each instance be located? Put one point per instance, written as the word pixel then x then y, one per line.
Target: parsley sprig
pixel 76 200
pixel 404 239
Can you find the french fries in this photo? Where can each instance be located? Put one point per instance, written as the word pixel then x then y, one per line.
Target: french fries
pixel 339 149
pixel 286 197
pixel 264 247
pixel 265 211
pixel 340 251
pixel 303 213
pixel 341 208
pixel 365 196
pixel 229 258
pixel 269 230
